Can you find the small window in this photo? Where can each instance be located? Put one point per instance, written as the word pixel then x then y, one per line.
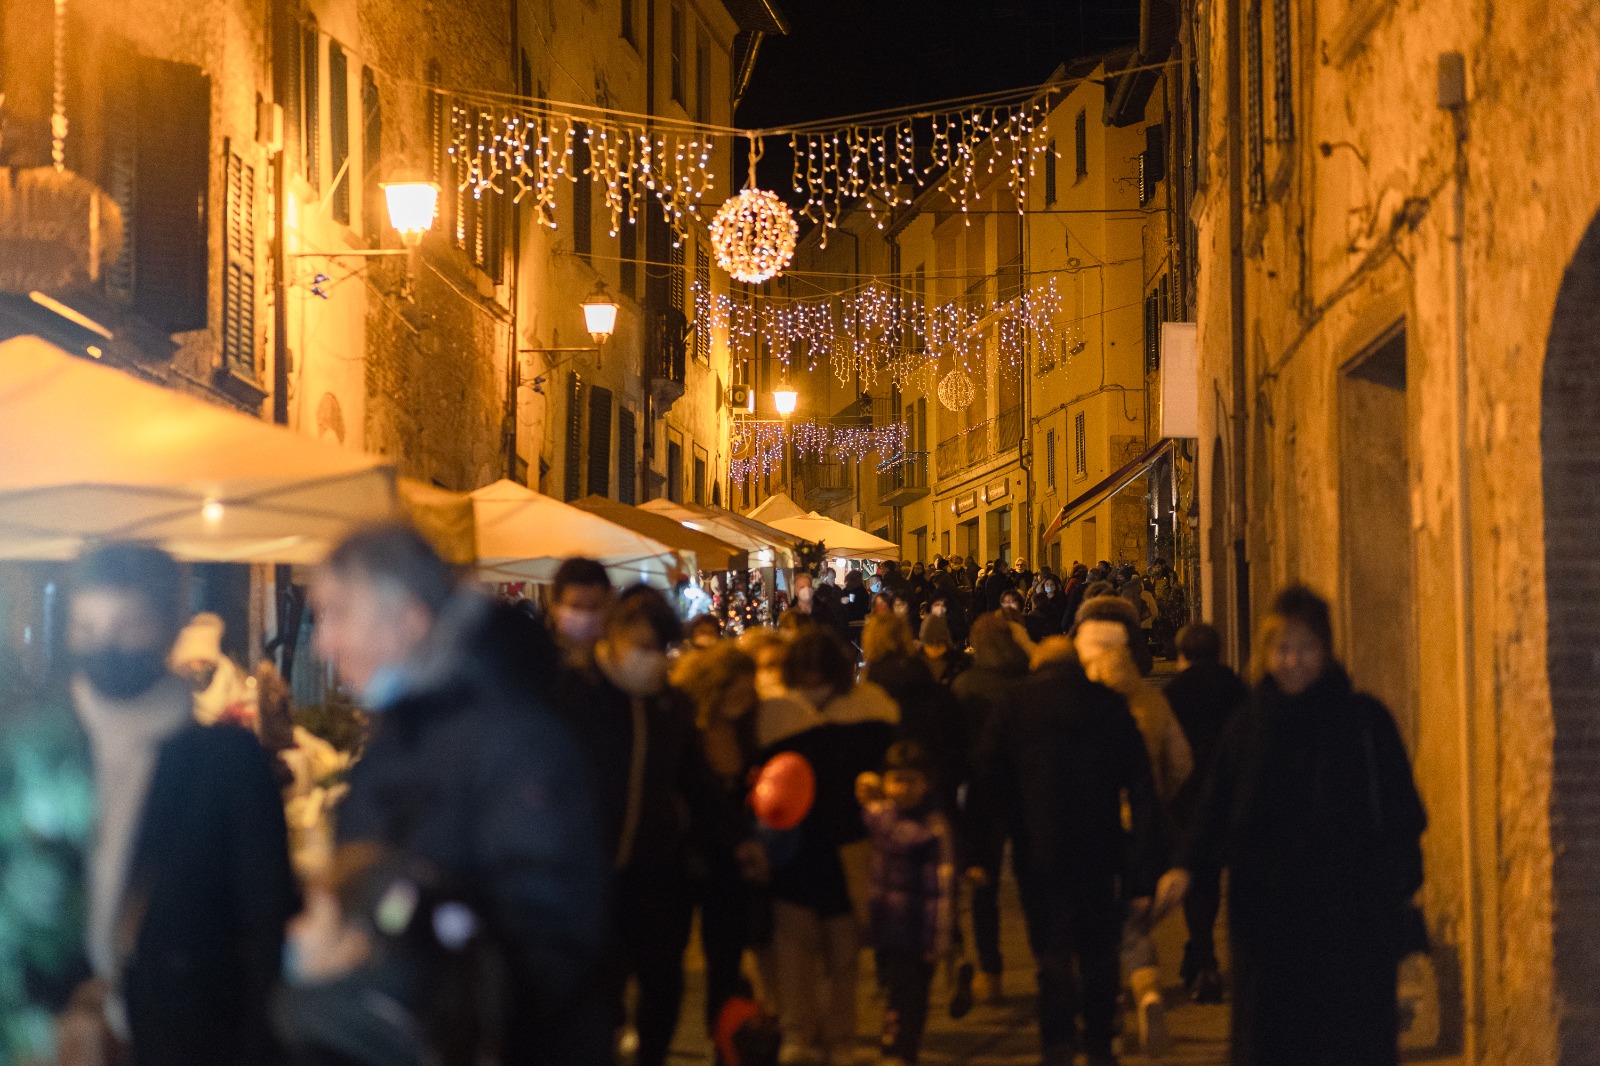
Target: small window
pixel 1050 458
pixel 1081 145
pixel 1080 445
pixel 678 46
pixel 311 103
pixel 1050 173
pixel 339 131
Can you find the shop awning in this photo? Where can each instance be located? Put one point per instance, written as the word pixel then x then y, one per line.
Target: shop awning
pixel 524 535
pixel 1104 490
pixel 839 540
pixel 710 553
pixel 444 517
pixel 89 453
pixel 778 505
pixel 766 546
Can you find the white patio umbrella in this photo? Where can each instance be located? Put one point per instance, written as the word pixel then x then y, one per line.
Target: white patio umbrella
pixel 89 453
pixel 765 545
pixel 525 535
pixel 839 540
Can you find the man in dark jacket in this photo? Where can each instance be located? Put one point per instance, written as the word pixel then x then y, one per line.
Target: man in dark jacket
pixel 660 804
pixel 1204 698
pixel 467 773
pixel 1054 768
pixel 181 890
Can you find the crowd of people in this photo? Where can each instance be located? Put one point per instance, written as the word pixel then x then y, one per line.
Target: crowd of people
pixel 545 801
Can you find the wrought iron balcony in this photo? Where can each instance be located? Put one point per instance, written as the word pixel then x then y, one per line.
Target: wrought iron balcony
pixel 976 446
pixel 823 484
pixel 903 479
pixel 666 354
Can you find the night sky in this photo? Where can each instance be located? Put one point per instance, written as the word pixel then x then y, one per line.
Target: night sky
pixel 847 56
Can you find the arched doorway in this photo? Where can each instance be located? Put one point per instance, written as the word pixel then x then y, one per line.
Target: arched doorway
pixel 1570 454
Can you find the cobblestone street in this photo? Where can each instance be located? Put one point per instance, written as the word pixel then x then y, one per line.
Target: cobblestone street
pixel 1004 1034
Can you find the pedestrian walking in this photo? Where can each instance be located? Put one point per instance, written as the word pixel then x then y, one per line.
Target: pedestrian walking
pixel 913 892
pixel 735 913
pixel 820 868
pixel 580 597
pixel 1312 808
pixel 1058 763
pixel 1101 640
pixel 145 854
pixel 998 665
pixel 930 715
pixel 945 661
pixel 466 772
pixel 1204 696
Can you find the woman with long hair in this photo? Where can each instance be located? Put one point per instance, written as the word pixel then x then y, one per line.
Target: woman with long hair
pixel 1312 808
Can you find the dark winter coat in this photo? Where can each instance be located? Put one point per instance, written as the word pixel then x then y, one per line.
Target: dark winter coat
pixel 1312 808
pixel 1054 767
pixel 1049 615
pixel 1204 698
pixel 470 773
pixel 930 715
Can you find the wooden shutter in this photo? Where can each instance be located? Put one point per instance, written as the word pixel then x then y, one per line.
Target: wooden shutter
pixel 574 463
pixel 1080 137
pixel 339 131
pixel 438 148
pixel 599 441
pixel 674 471
pixel 627 458
pixel 311 103
pixel 1050 173
pixel 239 274
pixel 582 193
pixel 628 245
pixel 702 325
pixel 172 181
pixel 373 209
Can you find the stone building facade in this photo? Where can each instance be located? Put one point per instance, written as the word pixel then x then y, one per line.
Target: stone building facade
pixel 1395 216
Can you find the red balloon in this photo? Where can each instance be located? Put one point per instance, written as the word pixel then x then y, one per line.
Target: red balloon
pixel 784 791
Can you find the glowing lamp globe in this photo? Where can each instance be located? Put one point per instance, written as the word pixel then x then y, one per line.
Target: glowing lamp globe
pixel 600 314
pixel 785 400
pixel 753 235
pixel 413 205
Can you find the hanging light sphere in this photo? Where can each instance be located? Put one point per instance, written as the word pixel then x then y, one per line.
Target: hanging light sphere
pixel 753 235
pixel 956 391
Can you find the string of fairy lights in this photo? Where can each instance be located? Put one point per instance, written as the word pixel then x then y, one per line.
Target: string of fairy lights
pixel 877 333
pixel 525 148
pixel 759 445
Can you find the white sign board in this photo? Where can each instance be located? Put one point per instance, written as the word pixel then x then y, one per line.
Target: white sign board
pixel 1180 381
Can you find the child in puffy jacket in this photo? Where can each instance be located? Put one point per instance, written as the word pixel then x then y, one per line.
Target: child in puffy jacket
pixel 913 877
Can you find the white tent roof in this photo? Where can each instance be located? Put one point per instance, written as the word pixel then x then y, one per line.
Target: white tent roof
pixel 524 535
pixel 778 505
pixel 839 540
pixel 89 453
pixel 742 532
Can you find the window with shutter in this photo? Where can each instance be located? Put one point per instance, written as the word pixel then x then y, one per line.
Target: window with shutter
pixel 165 162
pixel 628 249
pixel 1152 331
pixel 1080 135
pixel 374 214
pixel 702 75
pixel 339 131
pixel 438 147
pixel 599 441
pixel 1050 458
pixel 582 193
pixel 1255 135
pixel 699 477
pixel 678 44
pixel 239 277
pixel 1050 173
pixel 628 32
pixel 702 325
pixel 574 463
pixel 674 471
pixel 1080 447
pixel 675 273
pixel 311 103
pixel 627 458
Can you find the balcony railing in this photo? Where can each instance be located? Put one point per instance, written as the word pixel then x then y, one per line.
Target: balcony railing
pixel 903 478
pixel 975 446
pixel 823 484
pixel 666 353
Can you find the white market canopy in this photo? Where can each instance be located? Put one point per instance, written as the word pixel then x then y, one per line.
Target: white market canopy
pixel 839 540
pixel 525 535
pixel 89 453
pixel 776 506
pixel 765 545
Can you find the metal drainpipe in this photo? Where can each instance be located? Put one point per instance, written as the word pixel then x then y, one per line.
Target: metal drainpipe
pixel 1452 97
pixel 1236 327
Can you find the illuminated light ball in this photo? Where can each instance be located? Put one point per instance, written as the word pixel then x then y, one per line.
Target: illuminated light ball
pixel 784 791
pixel 956 391
pixel 753 235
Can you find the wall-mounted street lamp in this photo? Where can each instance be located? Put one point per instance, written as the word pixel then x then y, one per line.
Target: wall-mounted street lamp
pixel 785 399
pixel 413 206
pixel 600 314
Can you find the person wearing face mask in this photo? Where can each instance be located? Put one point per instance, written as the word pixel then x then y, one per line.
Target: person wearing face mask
pixel 1049 611
pixel 661 802
pixel 468 772
pixel 167 847
pixel 580 596
pixel 1312 809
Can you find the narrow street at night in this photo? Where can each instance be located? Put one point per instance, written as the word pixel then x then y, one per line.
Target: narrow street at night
pixel 799 533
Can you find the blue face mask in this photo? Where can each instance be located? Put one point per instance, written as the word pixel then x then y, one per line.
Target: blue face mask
pixel 293 965
pixel 384 688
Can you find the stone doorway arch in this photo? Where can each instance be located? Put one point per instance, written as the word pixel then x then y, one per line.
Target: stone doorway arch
pixel 1570 458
